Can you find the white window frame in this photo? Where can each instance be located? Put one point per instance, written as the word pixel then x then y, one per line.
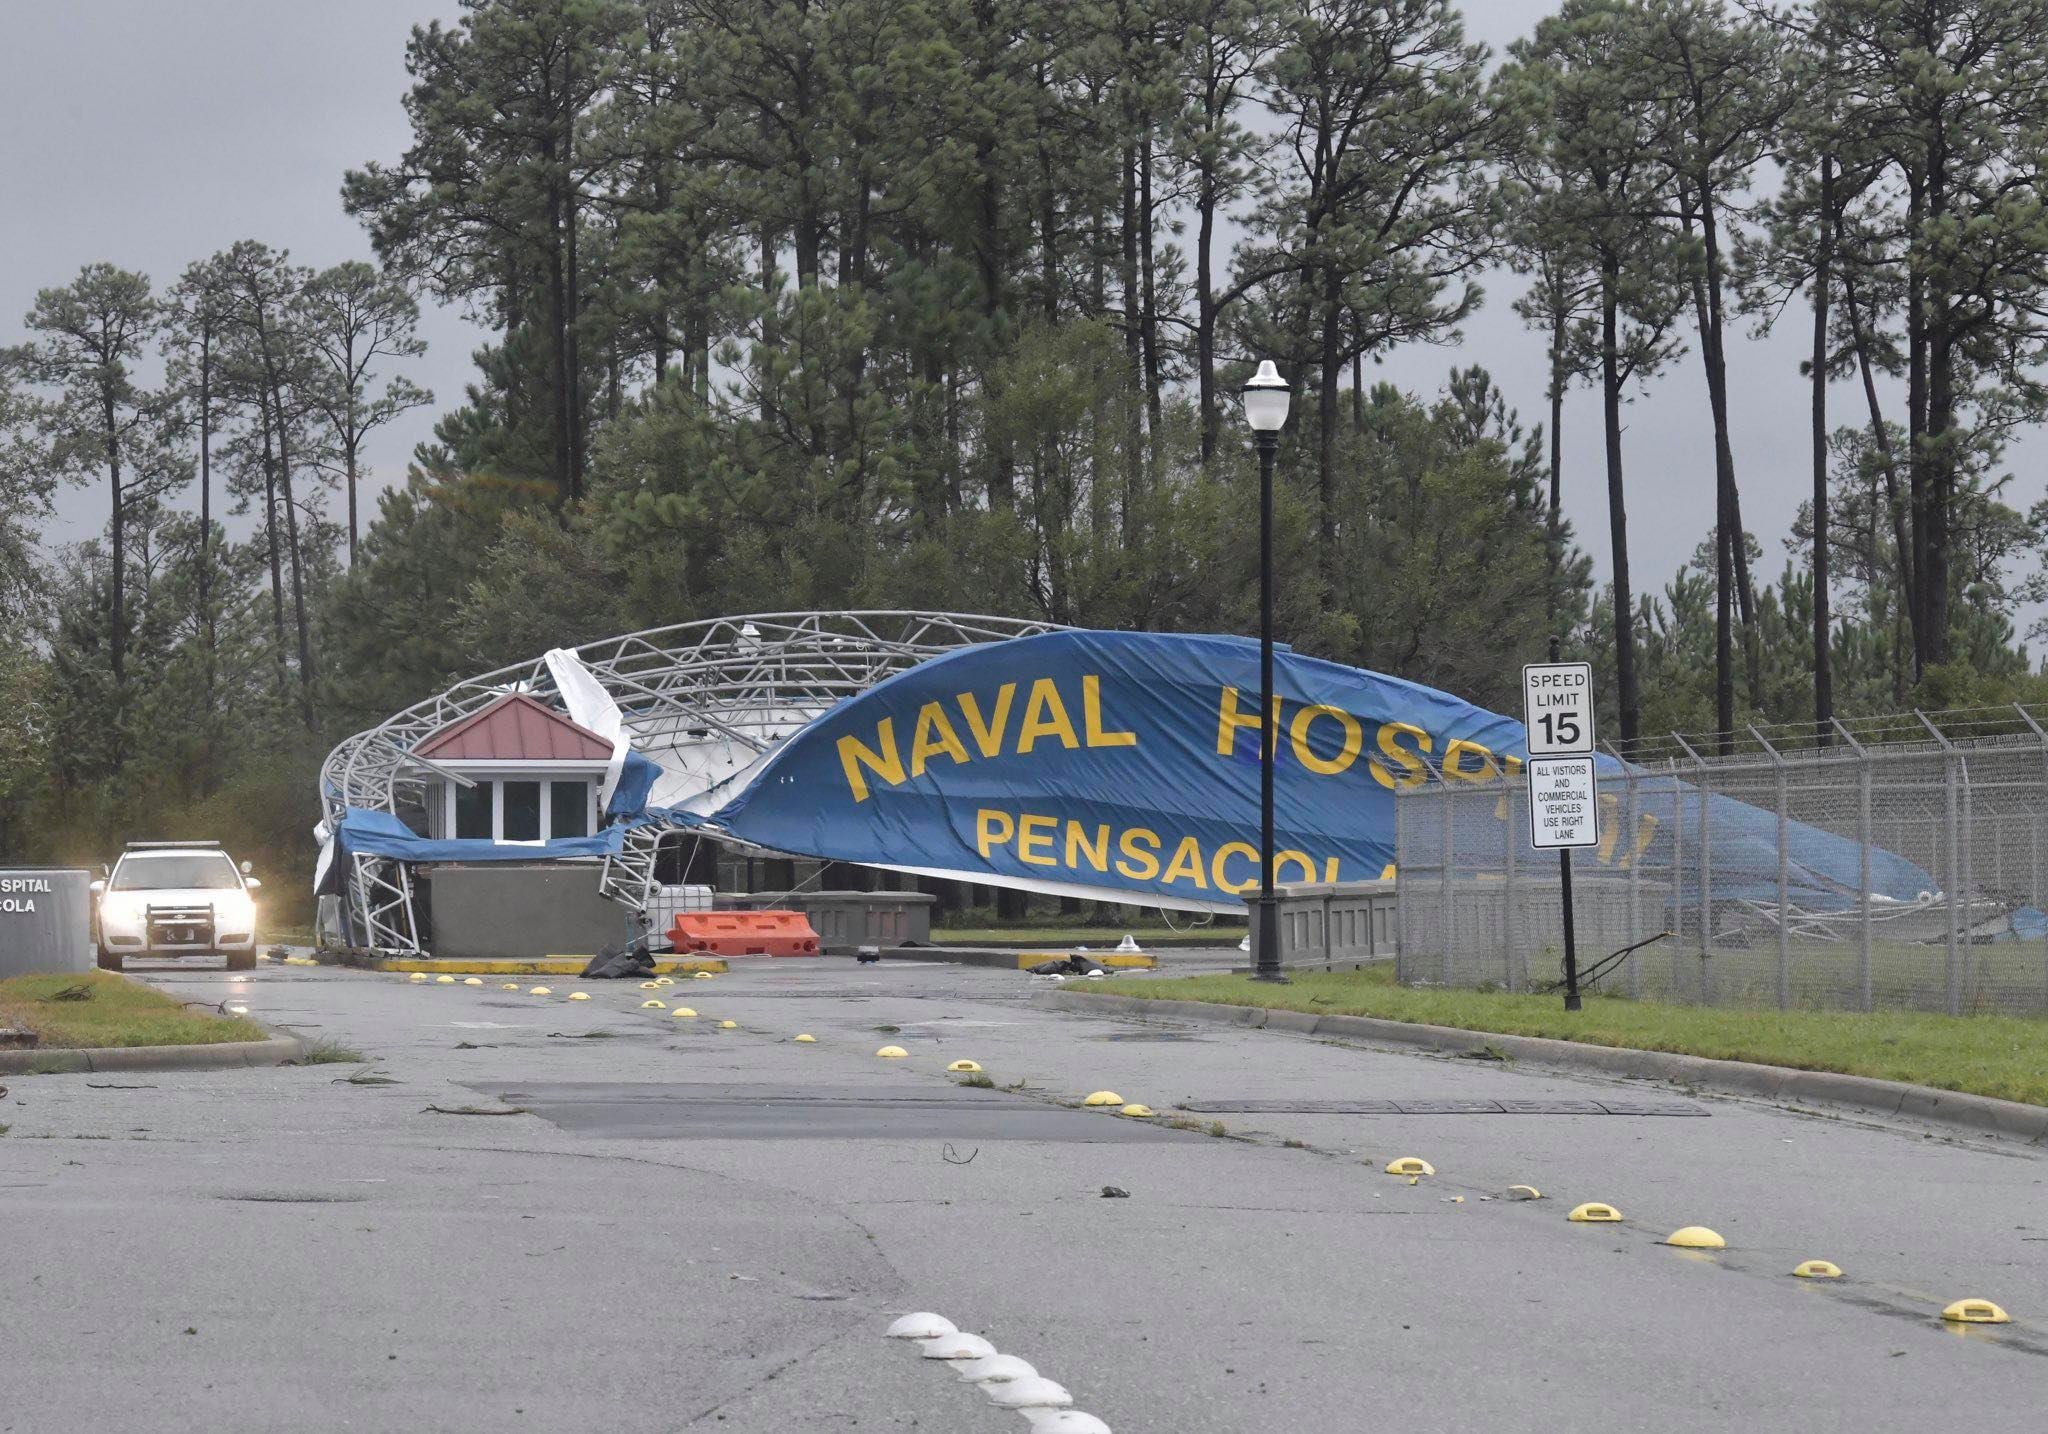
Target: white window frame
pixel 495 774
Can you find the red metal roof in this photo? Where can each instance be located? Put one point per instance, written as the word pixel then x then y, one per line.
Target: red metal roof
pixel 515 728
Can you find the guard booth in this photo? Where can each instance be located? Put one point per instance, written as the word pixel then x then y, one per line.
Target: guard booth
pixel 515 774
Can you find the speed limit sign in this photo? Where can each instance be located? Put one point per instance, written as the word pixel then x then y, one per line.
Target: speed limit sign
pixel 1557 704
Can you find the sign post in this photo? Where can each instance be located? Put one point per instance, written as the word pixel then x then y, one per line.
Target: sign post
pixel 1564 806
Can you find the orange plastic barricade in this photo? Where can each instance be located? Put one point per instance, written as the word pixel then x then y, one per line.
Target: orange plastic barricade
pixel 743 933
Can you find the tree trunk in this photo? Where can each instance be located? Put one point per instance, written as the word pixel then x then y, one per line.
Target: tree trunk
pixel 291 527
pixel 1149 283
pixel 203 585
pixel 1617 511
pixel 1331 373
pixel 1205 310
pixel 558 342
pixel 1916 433
pixel 1048 237
pixel 117 632
pixel 1880 437
pixel 277 645
pixel 1555 523
pixel 572 349
pixel 1823 666
pixel 1134 343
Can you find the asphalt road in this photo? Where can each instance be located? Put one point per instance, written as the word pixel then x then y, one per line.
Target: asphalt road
pixel 694 1228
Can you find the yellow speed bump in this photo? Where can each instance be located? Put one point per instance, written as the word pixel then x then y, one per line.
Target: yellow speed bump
pixel 417 977
pixel 1410 1165
pixel 1135 1109
pixel 805 1040
pixel 681 1013
pixel 650 985
pixel 1594 1213
pixel 471 981
pixel 1103 1097
pixel 1695 1237
pixel 728 1025
pixel 579 995
pixel 444 980
pixel 892 1053
pixel 700 975
pixel 664 980
pixel 1975 1312
pixel 1818 1270
pixel 1522 1192
pixel 509 986
pixel 653 1005
pixel 539 991
pixel 966 1067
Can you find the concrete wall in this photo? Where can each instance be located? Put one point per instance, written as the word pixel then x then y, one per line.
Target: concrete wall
pixel 501 909
pixel 1335 923
pixel 848 920
pixel 45 920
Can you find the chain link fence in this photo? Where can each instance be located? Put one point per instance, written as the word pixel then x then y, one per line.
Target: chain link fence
pixel 1899 866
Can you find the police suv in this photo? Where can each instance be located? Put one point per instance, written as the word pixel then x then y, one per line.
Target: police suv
pixel 182 898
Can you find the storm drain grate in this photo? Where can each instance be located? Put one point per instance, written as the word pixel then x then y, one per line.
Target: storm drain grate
pixel 1417 1105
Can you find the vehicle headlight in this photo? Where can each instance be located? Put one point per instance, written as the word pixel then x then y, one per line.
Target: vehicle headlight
pixel 120 913
pixel 235 912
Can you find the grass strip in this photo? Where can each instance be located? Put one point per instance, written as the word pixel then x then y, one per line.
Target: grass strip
pixel 2002 1056
pixel 114 1011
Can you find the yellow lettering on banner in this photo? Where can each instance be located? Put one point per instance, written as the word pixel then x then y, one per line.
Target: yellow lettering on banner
pixel 1610 830
pixel 1223 854
pixel 1187 861
pixel 1078 846
pixel 886 764
pixel 1354 740
pixel 1415 771
pixel 988 736
pixel 934 735
pixel 1045 716
pixel 1514 766
pixel 1229 720
pixel 1646 829
pixel 1454 762
pixel 1034 833
pixel 1138 862
pixel 1330 869
pixel 1299 858
pixel 1091 716
pixel 991 830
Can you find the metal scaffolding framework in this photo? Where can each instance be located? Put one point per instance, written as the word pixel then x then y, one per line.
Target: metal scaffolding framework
pixel 707 700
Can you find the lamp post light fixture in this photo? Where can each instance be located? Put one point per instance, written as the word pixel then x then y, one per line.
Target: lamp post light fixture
pixel 1266 397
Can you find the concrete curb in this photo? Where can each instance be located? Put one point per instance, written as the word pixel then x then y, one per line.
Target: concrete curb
pixel 1010 958
pixel 221 1055
pixel 1980 1114
pixel 508 966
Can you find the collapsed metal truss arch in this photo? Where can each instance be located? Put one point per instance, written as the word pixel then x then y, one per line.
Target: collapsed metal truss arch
pixel 706 700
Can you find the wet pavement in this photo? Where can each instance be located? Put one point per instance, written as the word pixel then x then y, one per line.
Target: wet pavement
pixel 677 1226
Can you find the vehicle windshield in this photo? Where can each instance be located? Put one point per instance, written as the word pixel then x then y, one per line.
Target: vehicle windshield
pixel 210 871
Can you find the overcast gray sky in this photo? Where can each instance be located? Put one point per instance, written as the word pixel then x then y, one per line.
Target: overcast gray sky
pixel 149 133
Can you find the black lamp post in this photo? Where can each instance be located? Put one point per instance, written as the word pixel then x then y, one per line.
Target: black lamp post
pixel 1266 397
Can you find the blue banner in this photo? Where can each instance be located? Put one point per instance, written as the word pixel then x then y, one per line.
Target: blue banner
pixel 1119 763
